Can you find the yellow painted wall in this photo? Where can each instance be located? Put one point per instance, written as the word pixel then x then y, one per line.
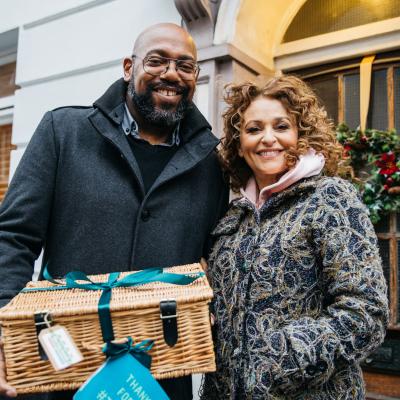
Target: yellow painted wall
pixel 260 26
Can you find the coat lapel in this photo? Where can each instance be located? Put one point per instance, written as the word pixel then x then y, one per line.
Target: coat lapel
pixel 197 139
pixel 116 137
pixel 187 157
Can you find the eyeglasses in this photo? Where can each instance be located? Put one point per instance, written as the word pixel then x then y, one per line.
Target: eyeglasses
pixel 188 70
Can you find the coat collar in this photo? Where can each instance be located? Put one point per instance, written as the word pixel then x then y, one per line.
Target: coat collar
pixel 240 207
pixel 295 190
pixel 197 140
pixel 111 103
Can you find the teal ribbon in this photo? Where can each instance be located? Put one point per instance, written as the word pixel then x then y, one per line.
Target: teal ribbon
pixel 139 351
pixel 139 278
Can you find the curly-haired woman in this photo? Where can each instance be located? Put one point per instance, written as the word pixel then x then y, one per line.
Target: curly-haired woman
pixel 300 297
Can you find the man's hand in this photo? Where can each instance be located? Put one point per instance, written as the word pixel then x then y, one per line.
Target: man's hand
pixel 204 264
pixel 5 388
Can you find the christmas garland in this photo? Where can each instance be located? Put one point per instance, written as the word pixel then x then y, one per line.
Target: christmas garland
pixel 375 158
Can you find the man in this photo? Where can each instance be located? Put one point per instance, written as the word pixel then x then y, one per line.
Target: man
pixel 130 183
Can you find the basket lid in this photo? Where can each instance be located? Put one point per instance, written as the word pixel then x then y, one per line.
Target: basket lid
pixel 78 301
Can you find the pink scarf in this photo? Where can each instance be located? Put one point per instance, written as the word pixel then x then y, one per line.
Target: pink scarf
pixel 309 164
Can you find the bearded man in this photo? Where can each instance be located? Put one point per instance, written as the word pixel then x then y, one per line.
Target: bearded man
pixel 129 183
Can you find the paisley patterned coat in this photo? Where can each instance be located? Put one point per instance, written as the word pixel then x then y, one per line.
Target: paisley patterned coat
pixel 300 296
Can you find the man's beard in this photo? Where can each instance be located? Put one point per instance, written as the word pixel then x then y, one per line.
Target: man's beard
pixel 150 113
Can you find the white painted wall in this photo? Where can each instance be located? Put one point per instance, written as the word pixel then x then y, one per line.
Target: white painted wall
pixel 15 13
pixel 70 51
pixel 89 37
pixel 32 101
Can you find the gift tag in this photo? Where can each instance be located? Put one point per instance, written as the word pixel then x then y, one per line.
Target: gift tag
pixel 121 378
pixel 59 347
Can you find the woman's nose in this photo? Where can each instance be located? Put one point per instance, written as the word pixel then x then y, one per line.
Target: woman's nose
pixel 268 136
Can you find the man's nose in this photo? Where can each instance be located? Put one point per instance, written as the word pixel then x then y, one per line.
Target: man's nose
pixel 171 73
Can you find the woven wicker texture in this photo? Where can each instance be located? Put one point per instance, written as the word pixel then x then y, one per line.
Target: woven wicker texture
pixel 135 312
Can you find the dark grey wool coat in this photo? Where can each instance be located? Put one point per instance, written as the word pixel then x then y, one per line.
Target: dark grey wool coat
pixel 78 193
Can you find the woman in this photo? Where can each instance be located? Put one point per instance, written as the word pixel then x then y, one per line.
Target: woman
pixel 300 297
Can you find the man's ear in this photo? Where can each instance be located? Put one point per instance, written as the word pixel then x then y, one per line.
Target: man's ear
pixel 128 68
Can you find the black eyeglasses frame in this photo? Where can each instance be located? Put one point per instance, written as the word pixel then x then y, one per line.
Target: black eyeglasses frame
pixel 175 60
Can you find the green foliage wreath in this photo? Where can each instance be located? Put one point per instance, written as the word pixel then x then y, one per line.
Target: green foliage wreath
pixel 375 158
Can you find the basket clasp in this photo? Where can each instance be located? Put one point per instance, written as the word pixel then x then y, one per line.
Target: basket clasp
pixel 169 315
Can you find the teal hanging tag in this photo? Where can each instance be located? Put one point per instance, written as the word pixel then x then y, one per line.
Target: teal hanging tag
pixel 121 378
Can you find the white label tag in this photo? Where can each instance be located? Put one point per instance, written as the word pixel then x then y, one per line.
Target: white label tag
pixel 59 347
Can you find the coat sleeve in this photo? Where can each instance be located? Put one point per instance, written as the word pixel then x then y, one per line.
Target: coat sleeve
pixel 25 211
pixel 220 209
pixel 355 311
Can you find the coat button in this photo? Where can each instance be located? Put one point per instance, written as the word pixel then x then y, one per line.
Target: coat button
pixel 311 370
pixel 145 215
pixel 322 366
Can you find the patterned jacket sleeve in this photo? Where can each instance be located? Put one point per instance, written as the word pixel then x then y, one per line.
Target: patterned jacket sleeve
pixel 355 313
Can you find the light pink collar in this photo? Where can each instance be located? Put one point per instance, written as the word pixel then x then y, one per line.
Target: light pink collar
pixel 309 164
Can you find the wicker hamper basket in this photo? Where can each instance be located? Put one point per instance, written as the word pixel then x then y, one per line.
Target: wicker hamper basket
pixel 135 312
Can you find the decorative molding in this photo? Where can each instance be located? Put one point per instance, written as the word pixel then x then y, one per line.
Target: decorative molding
pixel 192 10
pixel 225 25
pixel 338 51
pixel 65 13
pixel 7 110
pixel 74 72
pixel 8 57
pixel 228 50
pixel 8 46
pixel 6 115
pixel 339 37
pixel 7 102
pixel 199 17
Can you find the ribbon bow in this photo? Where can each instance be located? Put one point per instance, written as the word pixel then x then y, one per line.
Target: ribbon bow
pixel 74 278
pixel 139 350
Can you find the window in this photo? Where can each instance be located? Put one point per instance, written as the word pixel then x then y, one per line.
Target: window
pixel 5 148
pixel 317 17
pixel 338 86
pixel 7 88
pixel 7 79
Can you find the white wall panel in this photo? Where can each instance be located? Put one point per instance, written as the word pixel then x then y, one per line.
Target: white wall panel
pixel 33 101
pixel 87 38
pixel 18 12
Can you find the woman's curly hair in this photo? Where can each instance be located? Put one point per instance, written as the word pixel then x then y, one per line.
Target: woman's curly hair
pixel 315 129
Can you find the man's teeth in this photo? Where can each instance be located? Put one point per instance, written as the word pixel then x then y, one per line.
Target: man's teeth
pixel 165 92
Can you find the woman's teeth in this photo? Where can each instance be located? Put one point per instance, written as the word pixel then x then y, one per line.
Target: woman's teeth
pixel 269 153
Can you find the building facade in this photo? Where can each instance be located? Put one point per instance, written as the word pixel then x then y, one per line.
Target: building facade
pixel 66 52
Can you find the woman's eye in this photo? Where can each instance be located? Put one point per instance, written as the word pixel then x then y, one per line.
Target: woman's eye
pixel 252 129
pixel 282 127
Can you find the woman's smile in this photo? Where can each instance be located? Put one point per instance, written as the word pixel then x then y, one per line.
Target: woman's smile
pixel 266 133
